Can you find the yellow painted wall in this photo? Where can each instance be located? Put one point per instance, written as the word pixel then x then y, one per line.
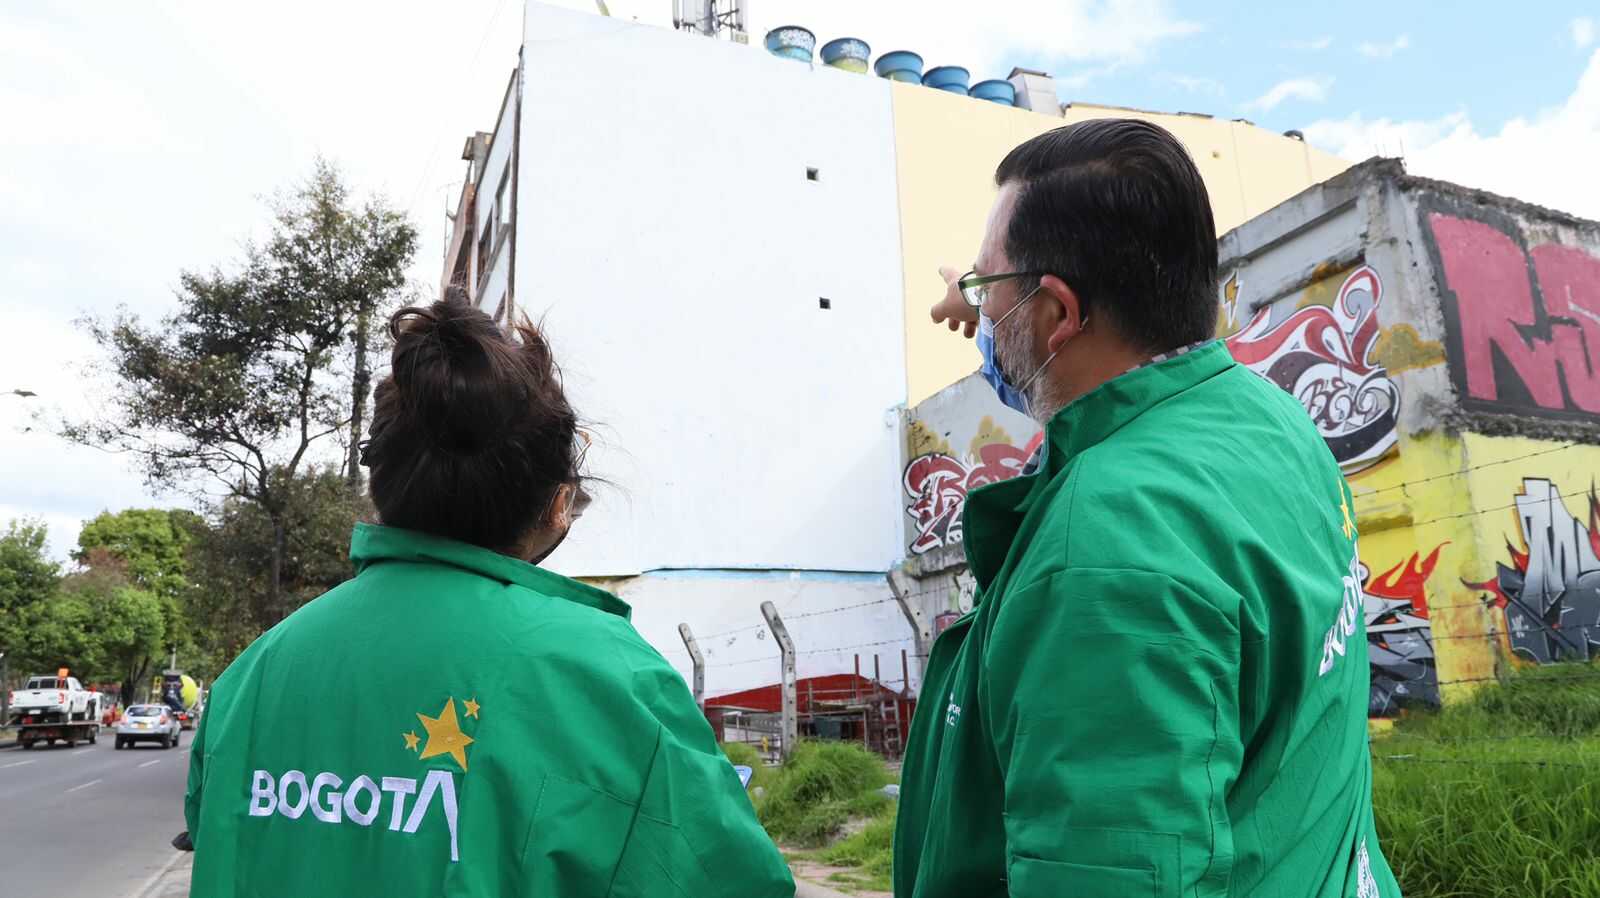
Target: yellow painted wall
pixel 946 150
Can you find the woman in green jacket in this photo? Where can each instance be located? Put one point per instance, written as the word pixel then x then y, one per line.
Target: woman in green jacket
pixel 456 720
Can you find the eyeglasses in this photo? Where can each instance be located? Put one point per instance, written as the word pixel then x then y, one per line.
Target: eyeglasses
pixel 975 287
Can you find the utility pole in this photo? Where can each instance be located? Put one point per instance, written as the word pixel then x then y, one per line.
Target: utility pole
pixel 699 663
pixel 900 583
pixel 791 721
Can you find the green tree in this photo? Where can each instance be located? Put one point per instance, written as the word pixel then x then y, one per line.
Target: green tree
pixel 100 625
pixel 227 563
pixel 28 578
pixel 237 388
pixel 151 545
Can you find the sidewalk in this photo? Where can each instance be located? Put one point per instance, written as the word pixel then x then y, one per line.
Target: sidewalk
pixel 172 881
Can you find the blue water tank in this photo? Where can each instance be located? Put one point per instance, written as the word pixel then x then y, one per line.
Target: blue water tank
pixel 952 78
pixel 791 42
pixel 900 65
pixel 995 90
pixel 846 53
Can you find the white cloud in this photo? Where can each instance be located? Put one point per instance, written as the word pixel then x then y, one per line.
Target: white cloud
pixel 1583 32
pixel 1321 43
pixel 1544 159
pixel 1384 51
pixel 1208 86
pixel 1309 90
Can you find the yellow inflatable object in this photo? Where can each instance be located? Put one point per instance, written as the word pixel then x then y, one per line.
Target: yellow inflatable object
pixel 191 691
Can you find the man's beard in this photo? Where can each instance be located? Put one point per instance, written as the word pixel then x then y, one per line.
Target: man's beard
pixel 1014 350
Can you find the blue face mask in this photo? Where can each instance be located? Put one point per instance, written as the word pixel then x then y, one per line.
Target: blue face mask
pixel 1014 396
pixel 991 367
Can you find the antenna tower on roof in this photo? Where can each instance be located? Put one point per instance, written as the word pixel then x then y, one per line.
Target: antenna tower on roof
pixel 712 18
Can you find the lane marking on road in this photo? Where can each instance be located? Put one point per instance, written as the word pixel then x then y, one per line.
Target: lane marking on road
pixel 148 763
pixel 84 786
pixel 15 764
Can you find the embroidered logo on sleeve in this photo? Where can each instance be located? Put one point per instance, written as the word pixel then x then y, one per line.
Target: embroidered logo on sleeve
pixel 330 800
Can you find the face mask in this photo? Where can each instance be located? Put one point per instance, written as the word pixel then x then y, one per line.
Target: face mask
pixel 1013 396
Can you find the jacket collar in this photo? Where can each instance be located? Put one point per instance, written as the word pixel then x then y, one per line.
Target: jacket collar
pixel 994 514
pixel 372 543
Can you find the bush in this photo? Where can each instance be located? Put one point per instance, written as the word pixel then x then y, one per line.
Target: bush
pixel 1497 796
pixel 823 785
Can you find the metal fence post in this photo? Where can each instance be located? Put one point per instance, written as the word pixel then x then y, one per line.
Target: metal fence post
pixel 699 663
pixel 791 723
pixel 900 583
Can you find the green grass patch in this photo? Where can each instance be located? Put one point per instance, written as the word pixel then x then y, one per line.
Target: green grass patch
pixel 871 850
pixel 823 785
pixel 1497 796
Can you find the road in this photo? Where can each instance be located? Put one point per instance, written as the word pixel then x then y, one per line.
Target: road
pixel 88 822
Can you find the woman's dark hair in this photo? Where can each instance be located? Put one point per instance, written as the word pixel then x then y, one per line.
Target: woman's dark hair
pixel 1117 209
pixel 471 432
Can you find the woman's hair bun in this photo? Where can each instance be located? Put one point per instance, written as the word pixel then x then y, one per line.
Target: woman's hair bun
pixel 473 409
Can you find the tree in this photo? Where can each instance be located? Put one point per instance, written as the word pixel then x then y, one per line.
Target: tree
pixel 100 625
pixel 151 545
pixel 227 563
pixel 28 578
pixel 237 387
pixel 346 260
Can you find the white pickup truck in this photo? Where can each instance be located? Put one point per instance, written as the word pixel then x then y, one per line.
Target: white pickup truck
pixel 50 708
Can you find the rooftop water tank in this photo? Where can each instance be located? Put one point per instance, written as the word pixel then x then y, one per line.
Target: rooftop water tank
pixel 952 78
pixel 846 53
pixel 995 90
pixel 900 65
pixel 791 42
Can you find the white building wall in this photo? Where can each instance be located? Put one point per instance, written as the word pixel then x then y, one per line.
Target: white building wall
pixel 676 251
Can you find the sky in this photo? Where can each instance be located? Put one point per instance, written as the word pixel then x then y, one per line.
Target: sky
pixel 140 140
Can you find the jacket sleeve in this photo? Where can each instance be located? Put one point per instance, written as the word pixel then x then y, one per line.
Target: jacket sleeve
pixel 1110 696
pixel 694 833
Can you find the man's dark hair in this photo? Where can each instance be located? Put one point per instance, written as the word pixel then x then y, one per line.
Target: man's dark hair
pixel 1117 209
pixel 471 432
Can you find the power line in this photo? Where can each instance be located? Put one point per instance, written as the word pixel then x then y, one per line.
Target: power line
pixel 1465 471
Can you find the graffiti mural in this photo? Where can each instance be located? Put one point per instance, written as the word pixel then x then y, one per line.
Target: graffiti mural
pixel 1550 592
pixel 1400 637
pixel 937 484
pixel 1524 325
pixel 1323 356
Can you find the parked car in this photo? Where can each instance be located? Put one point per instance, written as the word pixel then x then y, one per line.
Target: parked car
pixel 149 723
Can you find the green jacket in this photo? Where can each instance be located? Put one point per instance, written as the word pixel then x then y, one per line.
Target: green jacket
pixel 1162 688
pixel 456 722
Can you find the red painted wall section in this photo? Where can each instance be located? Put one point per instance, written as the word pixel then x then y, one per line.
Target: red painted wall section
pixel 1538 311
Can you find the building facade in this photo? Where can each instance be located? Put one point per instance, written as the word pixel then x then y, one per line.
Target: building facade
pixel 733 255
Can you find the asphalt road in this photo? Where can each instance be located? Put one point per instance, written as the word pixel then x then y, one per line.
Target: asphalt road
pixel 88 822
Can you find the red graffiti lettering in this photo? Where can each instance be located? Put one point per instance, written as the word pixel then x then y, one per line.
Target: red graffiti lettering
pixel 938 485
pixel 1548 351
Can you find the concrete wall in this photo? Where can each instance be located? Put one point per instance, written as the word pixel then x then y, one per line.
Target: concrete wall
pixel 1444 342
pixel 947 148
pixel 678 253
pixel 1439 338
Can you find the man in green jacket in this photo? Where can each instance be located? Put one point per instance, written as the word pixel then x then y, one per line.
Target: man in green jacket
pixel 1162 687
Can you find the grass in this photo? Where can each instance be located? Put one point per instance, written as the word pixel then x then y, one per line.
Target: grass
pixel 824 784
pixel 871 851
pixel 1499 795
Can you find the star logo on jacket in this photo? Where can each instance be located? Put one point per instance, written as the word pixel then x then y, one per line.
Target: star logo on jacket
pixel 444 735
